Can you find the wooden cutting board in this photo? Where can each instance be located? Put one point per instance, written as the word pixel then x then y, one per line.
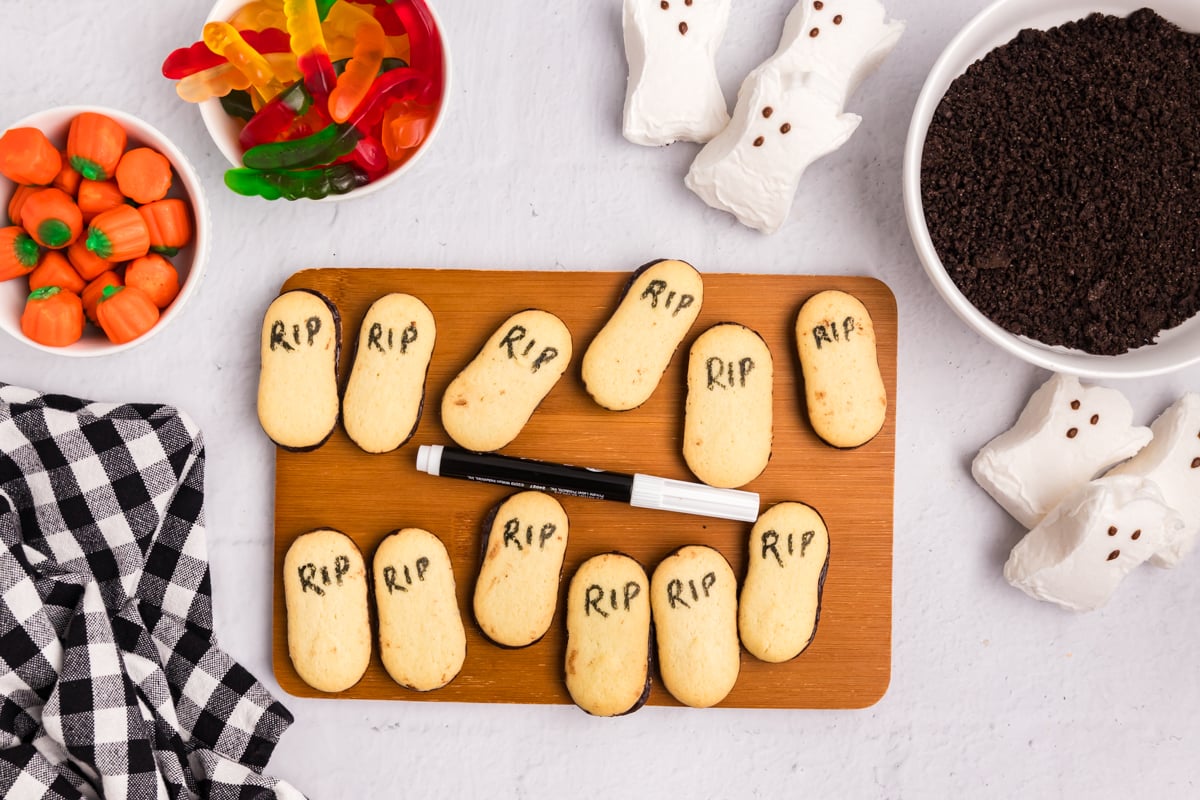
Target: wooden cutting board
pixel 367 496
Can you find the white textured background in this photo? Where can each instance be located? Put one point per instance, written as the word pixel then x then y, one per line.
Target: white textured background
pixel 992 694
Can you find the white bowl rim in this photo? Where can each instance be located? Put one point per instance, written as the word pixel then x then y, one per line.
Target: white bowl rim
pixel 215 118
pixel 141 130
pixel 1139 363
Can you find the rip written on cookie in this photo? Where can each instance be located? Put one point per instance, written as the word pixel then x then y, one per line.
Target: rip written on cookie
pixel 730 374
pixel 517 333
pixel 594 597
pixel 512 534
pixel 308 575
pixel 279 334
pixel 677 597
pixel 654 290
pixel 828 332
pixel 375 338
pixel 771 544
pixel 391 575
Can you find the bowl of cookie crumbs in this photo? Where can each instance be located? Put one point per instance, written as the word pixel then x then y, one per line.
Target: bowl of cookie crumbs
pixel 1051 180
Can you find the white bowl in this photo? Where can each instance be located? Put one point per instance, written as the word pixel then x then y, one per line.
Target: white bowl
pixel 224 129
pixel 189 262
pixel 996 25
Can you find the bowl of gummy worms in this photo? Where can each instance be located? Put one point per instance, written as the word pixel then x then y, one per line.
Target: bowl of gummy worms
pixel 316 99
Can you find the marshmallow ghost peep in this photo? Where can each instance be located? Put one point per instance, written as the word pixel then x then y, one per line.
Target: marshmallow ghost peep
pixel 1065 436
pixel 789 109
pixel 673 92
pixel 1172 462
pixel 843 41
pixel 1098 534
pixel 752 169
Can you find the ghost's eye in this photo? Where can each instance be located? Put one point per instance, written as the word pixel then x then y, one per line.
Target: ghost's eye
pixel 1095 418
pixel 1074 405
pixel 785 127
pixel 683 29
pixel 1196 463
pixel 837 20
pixel 759 142
pixel 1072 433
pixel 664 5
pixel 687 2
pixel 1136 534
pixel 1115 554
pixel 1112 531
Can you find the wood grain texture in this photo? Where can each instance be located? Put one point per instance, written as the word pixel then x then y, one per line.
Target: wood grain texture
pixel 848 664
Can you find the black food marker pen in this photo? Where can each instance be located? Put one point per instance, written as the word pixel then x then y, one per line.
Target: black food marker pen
pixel 642 491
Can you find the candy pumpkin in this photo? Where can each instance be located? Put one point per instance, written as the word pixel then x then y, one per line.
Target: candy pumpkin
pixel 125 313
pixel 51 218
pixel 53 317
pixel 119 234
pixel 95 144
pixel 154 275
pixel 92 293
pixel 19 253
pixel 56 270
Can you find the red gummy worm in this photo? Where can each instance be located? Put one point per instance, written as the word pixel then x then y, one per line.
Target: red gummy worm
pixel 404 83
pixel 319 76
pixel 424 44
pixel 196 58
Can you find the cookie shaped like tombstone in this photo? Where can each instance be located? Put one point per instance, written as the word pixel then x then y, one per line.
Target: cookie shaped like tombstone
pixel 1172 462
pixel 626 360
pixel 607 662
pixel 1078 555
pixel 1066 435
pixel 517 589
pixel 693 596
pixel 386 390
pixel 488 403
pixel 727 425
pixel 673 92
pixel 298 384
pixel 328 625
pixel 843 388
pixel 422 641
pixel 789 110
pixel 780 601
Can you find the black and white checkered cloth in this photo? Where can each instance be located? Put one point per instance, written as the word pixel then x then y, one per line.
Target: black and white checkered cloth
pixel 111 682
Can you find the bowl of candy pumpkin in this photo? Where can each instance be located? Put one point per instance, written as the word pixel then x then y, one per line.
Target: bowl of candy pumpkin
pixel 106 230
pixel 316 99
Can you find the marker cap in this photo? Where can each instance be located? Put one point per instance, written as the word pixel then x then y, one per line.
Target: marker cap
pixel 429 458
pixel 693 498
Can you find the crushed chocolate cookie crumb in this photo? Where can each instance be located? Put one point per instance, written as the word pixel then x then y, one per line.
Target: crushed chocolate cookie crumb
pixel 1061 178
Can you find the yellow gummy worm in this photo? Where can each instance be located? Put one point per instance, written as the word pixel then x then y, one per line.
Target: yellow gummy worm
pixel 304 26
pixel 220 80
pixel 259 15
pixel 343 47
pixel 344 18
pixel 223 38
pixel 213 82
